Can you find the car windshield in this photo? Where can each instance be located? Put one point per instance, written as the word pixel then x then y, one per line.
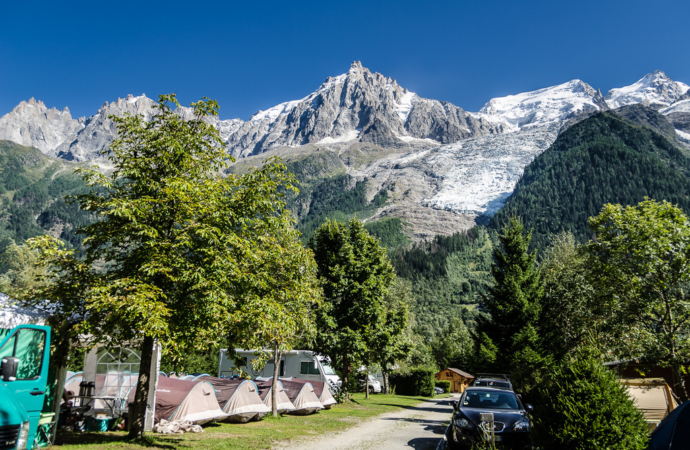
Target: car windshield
pixel 490 400
pixel 491 383
pixel 327 370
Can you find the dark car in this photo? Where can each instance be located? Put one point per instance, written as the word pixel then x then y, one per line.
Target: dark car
pixel 511 421
pixel 499 381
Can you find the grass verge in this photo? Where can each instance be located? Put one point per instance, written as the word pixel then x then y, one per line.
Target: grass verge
pixel 253 435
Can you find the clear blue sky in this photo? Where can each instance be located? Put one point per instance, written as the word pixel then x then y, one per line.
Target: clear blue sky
pixel 251 55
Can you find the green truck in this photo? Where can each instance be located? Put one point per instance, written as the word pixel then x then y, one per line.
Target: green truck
pixel 24 356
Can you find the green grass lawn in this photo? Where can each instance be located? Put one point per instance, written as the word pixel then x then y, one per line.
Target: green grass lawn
pixel 253 435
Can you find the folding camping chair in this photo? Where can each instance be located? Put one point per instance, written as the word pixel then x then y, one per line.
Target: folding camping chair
pixel 41 433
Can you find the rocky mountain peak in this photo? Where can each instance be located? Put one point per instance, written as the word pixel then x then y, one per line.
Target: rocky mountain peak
pixel 33 124
pixel 655 89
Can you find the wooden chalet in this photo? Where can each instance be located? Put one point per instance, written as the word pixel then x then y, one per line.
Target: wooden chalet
pixel 459 380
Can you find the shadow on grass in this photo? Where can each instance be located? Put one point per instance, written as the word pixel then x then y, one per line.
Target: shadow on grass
pixel 165 443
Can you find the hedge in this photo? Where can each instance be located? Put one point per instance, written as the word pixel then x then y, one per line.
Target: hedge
pixel 443 384
pixel 417 381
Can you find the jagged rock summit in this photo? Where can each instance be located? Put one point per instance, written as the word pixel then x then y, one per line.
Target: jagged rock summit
pixel 32 124
pixel 357 106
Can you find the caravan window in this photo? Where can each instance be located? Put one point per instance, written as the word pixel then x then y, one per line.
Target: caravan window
pixel 309 368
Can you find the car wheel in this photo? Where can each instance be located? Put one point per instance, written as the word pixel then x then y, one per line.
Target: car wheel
pixel 371 390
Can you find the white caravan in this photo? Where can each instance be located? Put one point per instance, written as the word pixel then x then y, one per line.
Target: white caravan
pixel 303 364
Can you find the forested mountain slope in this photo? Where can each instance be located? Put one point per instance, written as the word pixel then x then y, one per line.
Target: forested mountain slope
pixel 603 159
pixel 32 187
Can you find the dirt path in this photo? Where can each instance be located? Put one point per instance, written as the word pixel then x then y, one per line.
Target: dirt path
pixel 418 427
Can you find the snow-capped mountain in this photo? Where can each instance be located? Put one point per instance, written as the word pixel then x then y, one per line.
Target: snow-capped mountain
pixel 544 106
pixel 357 106
pixel 653 89
pixel 442 166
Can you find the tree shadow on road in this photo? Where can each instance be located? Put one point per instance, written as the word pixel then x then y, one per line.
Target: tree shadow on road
pixel 423 443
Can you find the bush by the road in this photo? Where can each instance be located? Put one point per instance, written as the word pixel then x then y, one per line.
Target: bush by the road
pixel 416 381
pixel 584 407
pixel 443 384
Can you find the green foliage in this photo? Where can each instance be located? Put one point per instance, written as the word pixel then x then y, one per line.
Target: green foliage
pixel 453 346
pixel 514 301
pixel 443 384
pixel 581 406
pixel 32 186
pixel 641 269
pixel 446 273
pixel 195 361
pixel 602 159
pixel 356 276
pixel 390 231
pixel 23 272
pixel 568 311
pixel 416 381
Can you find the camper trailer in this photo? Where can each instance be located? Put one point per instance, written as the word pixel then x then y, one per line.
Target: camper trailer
pixel 303 364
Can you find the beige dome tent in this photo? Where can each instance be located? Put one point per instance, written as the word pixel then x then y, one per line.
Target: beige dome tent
pixel 194 401
pixel 265 389
pixel 302 396
pixel 321 390
pixel 238 398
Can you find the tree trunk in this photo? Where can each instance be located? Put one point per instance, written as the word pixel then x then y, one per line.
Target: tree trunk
pixel 366 373
pixel 386 386
pixel 345 378
pixel 679 387
pixel 138 410
pixel 276 372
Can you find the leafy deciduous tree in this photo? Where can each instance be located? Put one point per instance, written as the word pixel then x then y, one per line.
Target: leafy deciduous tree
pixel 356 275
pixel 641 264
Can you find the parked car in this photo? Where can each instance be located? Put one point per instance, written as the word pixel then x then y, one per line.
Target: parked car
pixel 438 390
pixel 374 384
pixel 471 424
pixel 493 380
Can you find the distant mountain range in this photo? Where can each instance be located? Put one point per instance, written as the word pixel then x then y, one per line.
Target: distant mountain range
pixel 442 168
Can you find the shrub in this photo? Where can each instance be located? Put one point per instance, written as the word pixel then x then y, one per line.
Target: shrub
pixel 417 381
pixel 583 407
pixel 443 384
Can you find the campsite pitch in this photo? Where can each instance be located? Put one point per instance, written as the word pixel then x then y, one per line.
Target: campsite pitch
pixel 265 434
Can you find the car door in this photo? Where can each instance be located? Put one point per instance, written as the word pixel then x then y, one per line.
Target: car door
pixel 31 345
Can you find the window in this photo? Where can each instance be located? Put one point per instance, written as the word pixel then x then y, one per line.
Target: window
pixel 28 345
pixel 117 371
pixel 309 368
pixel 489 400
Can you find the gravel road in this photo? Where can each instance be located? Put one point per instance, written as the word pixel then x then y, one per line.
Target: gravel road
pixel 419 427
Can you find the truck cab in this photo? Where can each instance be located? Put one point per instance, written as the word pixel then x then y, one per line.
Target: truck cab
pixel 24 357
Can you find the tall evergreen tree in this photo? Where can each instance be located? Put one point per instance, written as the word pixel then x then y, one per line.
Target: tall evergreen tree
pixel 514 301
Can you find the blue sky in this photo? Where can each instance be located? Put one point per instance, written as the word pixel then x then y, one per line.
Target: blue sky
pixel 253 55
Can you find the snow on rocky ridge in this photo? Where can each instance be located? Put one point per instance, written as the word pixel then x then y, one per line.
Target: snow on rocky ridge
pixel 653 89
pixel 451 160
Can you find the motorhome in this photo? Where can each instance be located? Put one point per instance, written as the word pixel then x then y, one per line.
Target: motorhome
pixel 304 364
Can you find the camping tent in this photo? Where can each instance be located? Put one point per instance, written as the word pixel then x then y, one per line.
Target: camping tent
pixel 238 398
pixel 185 400
pixel 674 431
pixel 265 389
pixel 301 394
pixel 652 396
pixel 321 390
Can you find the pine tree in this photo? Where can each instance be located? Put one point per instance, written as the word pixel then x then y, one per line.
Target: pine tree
pixel 513 301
